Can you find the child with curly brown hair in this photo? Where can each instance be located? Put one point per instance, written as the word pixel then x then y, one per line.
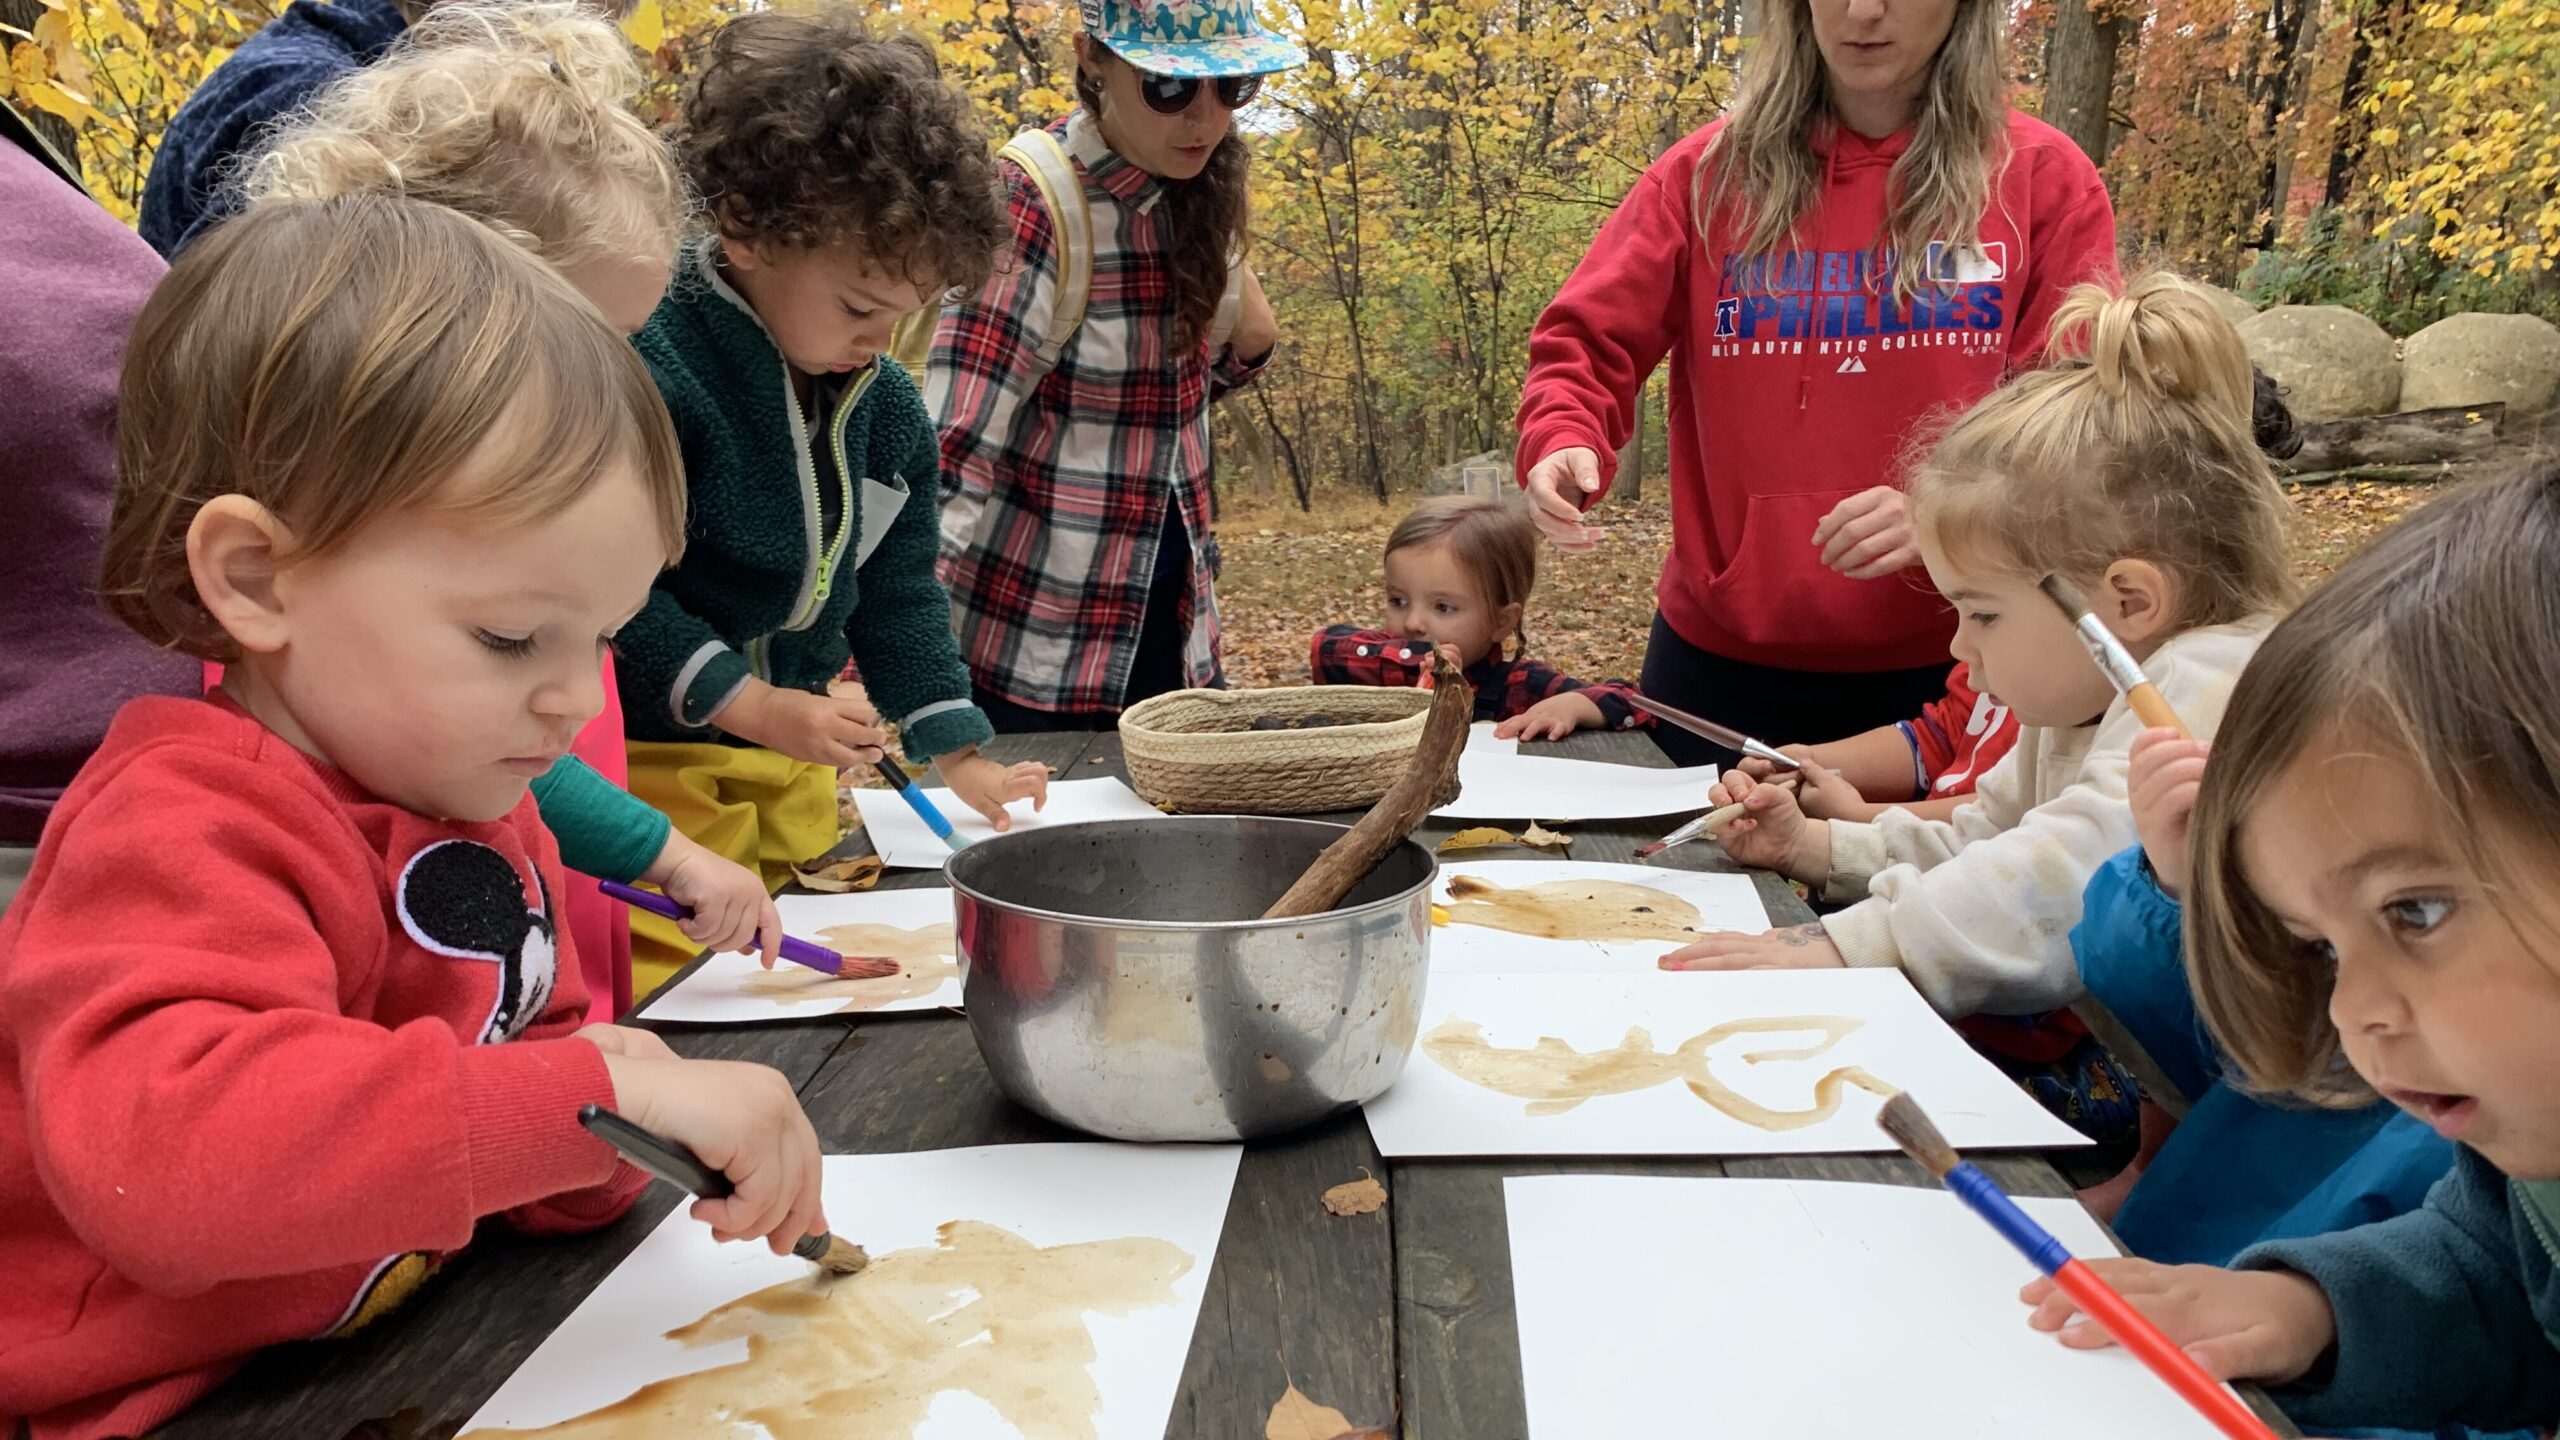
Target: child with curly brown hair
pixel 849 186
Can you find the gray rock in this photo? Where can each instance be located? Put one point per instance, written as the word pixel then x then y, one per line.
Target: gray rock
pixel 2332 362
pixel 2480 359
pixel 2233 308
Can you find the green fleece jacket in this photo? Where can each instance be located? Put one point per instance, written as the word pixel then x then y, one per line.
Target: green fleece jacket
pixel 803 544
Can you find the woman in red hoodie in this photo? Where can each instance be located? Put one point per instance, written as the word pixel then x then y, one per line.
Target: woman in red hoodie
pixel 1869 238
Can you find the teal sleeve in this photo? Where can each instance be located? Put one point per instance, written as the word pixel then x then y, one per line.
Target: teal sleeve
pixel 603 829
pixel 2435 1312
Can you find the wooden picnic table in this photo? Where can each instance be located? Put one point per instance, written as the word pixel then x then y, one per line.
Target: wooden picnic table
pixel 1401 1319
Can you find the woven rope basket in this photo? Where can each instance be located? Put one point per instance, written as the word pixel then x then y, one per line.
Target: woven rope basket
pixel 1190 753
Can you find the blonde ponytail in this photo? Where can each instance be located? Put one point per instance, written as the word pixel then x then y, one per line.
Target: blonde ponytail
pixel 2135 443
pixel 512 113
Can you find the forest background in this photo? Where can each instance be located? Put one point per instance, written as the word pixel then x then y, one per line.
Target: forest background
pixel 1426 183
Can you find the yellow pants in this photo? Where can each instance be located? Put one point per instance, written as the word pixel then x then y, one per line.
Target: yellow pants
pixel 764 810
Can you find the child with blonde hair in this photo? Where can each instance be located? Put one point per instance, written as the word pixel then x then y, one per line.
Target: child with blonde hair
pixel 2129 470
pixel 1458 573
pixel 284 1008
pixel 2370 861
pixel 515 113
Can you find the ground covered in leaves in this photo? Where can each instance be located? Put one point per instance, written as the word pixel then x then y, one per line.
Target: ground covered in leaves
pixel 1288 575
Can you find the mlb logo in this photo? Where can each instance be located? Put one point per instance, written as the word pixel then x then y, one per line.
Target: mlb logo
pixel 1971 264
pixel 1727 312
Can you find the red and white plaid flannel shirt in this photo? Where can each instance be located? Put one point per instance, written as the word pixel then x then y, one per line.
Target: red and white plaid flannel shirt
pixel 1055 483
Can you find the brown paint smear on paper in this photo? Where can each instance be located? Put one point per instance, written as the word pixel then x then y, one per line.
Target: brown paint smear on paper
pixel 984 1311
pixel 1554 1077
pixel 1573 910
pixel 926 956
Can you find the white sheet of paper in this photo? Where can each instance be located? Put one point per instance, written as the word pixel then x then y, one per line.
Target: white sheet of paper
pixel 1497 782
pixel 737 990
pixel 1724 902
pixel 1050 1195
pixel 901 840
pixel 1810 1309
pixel 1901 1042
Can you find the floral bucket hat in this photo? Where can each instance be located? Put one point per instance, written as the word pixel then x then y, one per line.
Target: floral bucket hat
pixel 1197 39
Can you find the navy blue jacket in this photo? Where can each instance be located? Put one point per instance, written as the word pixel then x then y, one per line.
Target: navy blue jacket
pixel 272 74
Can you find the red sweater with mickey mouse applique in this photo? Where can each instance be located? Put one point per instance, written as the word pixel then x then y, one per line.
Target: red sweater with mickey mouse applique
pixel 263 1038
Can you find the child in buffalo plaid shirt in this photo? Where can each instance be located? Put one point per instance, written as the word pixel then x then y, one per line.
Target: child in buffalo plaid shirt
pixel 1458 573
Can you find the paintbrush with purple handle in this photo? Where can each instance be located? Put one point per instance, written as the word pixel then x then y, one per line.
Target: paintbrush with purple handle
pixel 793 949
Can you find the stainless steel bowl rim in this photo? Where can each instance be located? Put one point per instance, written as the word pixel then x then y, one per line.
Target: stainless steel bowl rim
pixel 1400 898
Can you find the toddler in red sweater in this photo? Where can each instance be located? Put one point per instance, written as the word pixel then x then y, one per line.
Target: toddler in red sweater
pixel 285 1007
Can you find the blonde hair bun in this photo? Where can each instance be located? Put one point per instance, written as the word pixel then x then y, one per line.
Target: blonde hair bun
pixel 2158 341
pixel 515 114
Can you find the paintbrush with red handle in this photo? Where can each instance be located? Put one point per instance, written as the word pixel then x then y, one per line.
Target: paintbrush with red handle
pixel 1911 1129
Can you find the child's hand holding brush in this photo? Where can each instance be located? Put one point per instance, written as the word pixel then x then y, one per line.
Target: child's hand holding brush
pixel 742 1120
pixel 2167 771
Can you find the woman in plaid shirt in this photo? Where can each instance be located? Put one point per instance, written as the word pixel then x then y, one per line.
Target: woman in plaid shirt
pixel 1075 522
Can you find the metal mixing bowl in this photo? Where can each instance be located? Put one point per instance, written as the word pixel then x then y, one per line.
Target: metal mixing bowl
pixel 1118 981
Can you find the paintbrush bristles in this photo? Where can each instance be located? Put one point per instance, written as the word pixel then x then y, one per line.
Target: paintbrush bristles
pixel 1911 1128
pixel 2059 591
pixel 833 1254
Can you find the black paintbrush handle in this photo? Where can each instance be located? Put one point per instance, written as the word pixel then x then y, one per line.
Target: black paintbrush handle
pixel 667 1159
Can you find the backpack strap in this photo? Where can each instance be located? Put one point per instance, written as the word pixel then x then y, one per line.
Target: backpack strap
pixel 1070 221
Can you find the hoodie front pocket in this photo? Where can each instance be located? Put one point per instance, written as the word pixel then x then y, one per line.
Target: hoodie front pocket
pixel 1777 593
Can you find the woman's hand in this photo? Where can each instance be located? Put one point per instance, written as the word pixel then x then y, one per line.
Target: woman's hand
pixel 1868 535
pixel 1559 485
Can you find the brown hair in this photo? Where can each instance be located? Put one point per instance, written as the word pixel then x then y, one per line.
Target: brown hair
pixel 1762 171
pixel 1495 542
pixel 339 361
pixel 1208 218
pixel 2136 444
pixel 512 113
pixel 2440 646
pixel 805 129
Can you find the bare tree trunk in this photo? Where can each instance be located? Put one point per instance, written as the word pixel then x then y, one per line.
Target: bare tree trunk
pixel 1630 486
pixel 2080 73
pixel 2288 131
pixel 2353 123
pixel 2289 29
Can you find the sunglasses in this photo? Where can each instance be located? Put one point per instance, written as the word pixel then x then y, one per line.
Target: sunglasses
pixel 1172 94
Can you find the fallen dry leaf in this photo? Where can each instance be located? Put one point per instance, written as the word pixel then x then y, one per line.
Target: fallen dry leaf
pixel 1296 1417
pixel 1479 838
pixel 835 877
pixel 1538 837
pixel 1363 1196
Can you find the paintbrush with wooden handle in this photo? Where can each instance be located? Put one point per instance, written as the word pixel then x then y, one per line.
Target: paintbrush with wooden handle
pixel 675 1163
pixel 2116 662
pixel 1912 1129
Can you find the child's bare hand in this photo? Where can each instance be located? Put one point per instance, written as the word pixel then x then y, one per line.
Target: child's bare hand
pixel 731 908
pixel 1552 719
pixel 2168 770
pixel 1798 947
pixel 1747 774
pixel 2265 1325
pixel 1825 795
pixel 743 1121
pixel 988 786
pixel 839 730
pixel 1773 833
pixel 626 1040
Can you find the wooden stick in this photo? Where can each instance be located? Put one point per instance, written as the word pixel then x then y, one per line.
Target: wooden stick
pixel 1426 785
